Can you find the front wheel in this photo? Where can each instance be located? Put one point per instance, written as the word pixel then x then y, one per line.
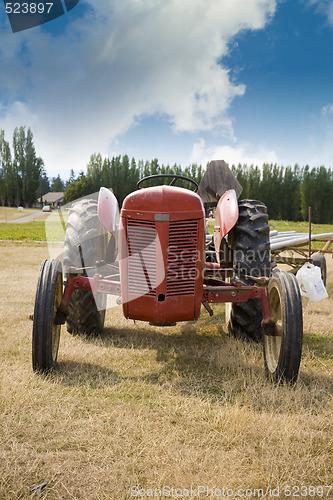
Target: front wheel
pixel 46 326
pixel 283 341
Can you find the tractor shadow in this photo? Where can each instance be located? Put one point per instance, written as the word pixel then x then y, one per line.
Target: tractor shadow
pixel 83 374
pixel 217 368
pixel 184 360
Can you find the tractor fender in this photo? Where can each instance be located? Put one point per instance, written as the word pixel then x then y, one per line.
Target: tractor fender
pixel 226 216
pixel 108 209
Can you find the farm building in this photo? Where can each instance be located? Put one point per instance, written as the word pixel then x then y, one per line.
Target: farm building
pixel 54 199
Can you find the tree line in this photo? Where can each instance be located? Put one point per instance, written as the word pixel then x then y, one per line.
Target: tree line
pixel 23 178
pixel 122 175
pixel 287 191
pixel 20 169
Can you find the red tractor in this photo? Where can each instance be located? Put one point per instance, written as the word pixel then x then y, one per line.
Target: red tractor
pixel 163 267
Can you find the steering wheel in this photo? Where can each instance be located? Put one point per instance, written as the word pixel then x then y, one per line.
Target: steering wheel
pixel 174 178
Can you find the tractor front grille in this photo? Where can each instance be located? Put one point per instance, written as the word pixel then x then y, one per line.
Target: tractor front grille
pixel 141 241
pixel 182 258
pixel 181 265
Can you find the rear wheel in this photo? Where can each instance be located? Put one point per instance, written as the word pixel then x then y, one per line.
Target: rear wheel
pixel 283 340
pixel 85 246
pixel 46 324
pixel 249 240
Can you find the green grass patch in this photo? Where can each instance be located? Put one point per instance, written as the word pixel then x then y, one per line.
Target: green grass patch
pixel 284 225
pixel 35 230
pixel 300 227
pixel 210 225
pixel 27 231
pixel 51 228
pixel 32 231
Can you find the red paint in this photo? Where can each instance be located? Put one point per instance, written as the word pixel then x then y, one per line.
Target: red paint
pixel 162 254
pixel 226 217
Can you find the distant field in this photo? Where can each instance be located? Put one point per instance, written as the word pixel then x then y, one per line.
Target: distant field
pixel 300 227
pixel 49 228
pixel 10 214
pixel 27 231
pixel 284 225
pixel 35 230
pixel 31 231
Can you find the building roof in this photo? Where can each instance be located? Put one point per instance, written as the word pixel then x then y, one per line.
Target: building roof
pixel 52 197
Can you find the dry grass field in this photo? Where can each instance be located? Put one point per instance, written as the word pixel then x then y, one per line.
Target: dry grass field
pixel 153 408
pixel 8 214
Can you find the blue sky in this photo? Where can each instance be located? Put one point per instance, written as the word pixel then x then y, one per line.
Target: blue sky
pixel 247 81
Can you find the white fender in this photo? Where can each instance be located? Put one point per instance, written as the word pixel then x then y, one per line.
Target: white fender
pixel 108 209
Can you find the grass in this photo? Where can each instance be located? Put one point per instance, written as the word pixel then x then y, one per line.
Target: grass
pixel 303 227
pixel 283 225
pixel 26 231
pixel 50 229
pixel 152 407
pixel 35 230
pixel 300 227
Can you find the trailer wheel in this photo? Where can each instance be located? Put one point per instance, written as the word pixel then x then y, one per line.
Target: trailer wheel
pixel 249 240
pixel 46 325
pixel 283 340
pixel 85 245
pixel 320 261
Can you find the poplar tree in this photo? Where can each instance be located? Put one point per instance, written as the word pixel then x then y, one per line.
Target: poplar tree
pixel 27 167
pixel 6 174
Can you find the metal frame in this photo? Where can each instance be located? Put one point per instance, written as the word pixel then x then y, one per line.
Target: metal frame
pixel 299 253
pixel 299 244
pixel 215 290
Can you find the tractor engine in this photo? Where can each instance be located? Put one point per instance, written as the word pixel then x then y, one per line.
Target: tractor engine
pixel 161 254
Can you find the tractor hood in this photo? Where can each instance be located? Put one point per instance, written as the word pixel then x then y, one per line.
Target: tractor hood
pixel 163 203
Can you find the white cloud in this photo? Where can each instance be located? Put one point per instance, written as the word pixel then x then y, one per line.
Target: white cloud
pixel 327 110
pixel 322 149
pixel 123 61
pixel 320 142
pixel 243 153
pixel 324 7
pixel 330 13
